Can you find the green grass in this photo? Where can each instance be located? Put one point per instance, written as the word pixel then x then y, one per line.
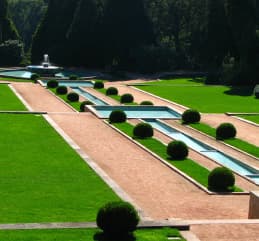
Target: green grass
pixel 177 81
pixel 253 118
pixel 238 143
pixel 9 79
pixel 9 101
pixel 75 105
pixel 85 235
pixel 208 99
pixel 187 166
pixel 41 178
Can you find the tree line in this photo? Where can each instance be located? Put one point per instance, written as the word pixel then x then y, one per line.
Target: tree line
pixel 218 37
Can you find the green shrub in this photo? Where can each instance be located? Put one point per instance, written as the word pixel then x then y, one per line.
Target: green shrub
pixel 117 219
pixel 225 131
pixel 143 130
pixel 98 84
pixel 191 116
pixel 73 97
pixel 256 91
pixel 146 102
pixel 82 105
pixel 177 150
pixel 73 77
pixel 221 179
pixel 117 116
pixel 112 91
pixel 35 77
pixel 52 84
pixel 127 98
pixel 61 90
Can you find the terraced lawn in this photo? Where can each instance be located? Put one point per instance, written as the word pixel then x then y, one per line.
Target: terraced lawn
pixel 85 235
pixel 9 101
pixel 204 98
pixel 41 178
pixel 253 118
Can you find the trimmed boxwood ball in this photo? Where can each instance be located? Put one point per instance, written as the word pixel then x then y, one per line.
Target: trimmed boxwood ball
pixel 146 102
pixel 127 98
pixel 73 77
pixel 98 84
pixel 35 77
pixel 221 179
pixel 225 131
pixel 73 97
pixel 143 130
pixel 112 91
pixel 117 116
pixel 191 116
pixel 52 84
pixel 177 150
pixel 61 90
pixel 117 218
pixel 82 105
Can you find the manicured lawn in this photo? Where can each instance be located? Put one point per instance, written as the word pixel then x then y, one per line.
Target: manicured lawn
pixel 41 178
pixel 9 101
pixel 15 79
pixel 208 99
pixel 238 143
pixel 85 235
pixel 178 81
pixel 187 166
pixel 253 118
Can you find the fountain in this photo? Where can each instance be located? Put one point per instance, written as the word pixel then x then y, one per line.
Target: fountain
pixel 45 69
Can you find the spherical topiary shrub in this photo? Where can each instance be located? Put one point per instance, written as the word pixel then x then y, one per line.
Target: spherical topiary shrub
pixel 146 102
pixel 73 77
pixel 61 90
pixel 177 150
pixel 52 83
pixel 225 131
pixel 98 84
pixel 73 97
pixel 127 98
pixel 117 218
pixel 191 116
pixel 143 130
pixel 82 105
pixel 117 116
pixel 221 179
pixel 35 77
pixel 112 91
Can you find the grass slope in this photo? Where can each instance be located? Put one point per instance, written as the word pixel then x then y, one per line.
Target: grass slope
pixel 41 178
pixel 9 101
pixel 85 235
pixel 206 99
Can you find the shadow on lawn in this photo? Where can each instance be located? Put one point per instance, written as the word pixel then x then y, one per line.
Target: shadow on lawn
pixel 100 236
pixel 240 90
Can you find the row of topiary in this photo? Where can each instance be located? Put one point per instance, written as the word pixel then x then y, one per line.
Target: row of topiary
pixel 219 179
pixel 223 131
pixel 124 99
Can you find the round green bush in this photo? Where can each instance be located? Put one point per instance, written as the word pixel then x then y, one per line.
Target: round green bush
pixel 82 105
pixel 225 131
pixel 146 102
pixel 143 130
pixel 61 90
pixel 221 179
pixel 177 150
pixel 35 77
pixel 73 97
pixel 117 218
pixel 52 84
pixel 127 98
pixel 112 91
pixel 73 77
pixel 191 116
pixel 98 84
pixel 117 116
